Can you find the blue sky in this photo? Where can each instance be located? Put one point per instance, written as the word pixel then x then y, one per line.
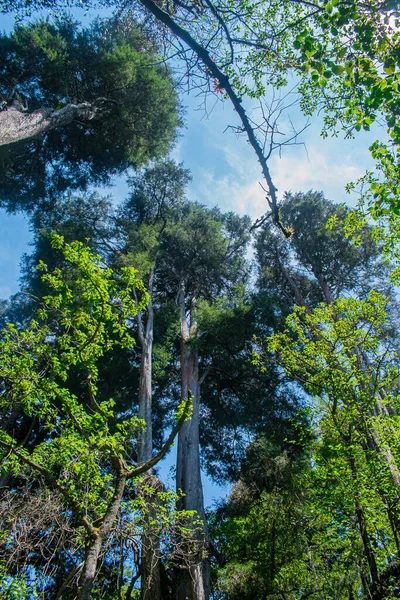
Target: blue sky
pixel 225 173
pixel 224 168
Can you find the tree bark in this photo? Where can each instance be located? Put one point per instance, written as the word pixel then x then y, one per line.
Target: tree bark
pixel 326 290
pixel 150 570
pixel 296 291
pixel 362 525
pixel 89 569
pixel 16 125
pixel 145 440
pixel 192 582
pixel 93 548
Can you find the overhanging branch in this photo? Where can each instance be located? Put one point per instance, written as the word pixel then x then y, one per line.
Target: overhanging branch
pixel 223 83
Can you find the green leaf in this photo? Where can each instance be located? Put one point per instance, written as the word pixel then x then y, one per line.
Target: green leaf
pixel 349 66
pixel 389 66
pixel 337 69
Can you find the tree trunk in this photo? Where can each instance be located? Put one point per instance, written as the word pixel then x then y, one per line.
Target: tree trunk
pixel 150 582
pixel 273 558
pixel 192 582
pixel 326 290
pixel 89 569
pixel 362 525
pixel 93 548
pixel 150 570
pixel 296 291
pixel 145 440
pixel 16 125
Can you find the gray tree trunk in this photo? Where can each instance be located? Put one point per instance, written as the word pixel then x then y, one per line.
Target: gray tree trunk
pixel 145 440
pixel 16 125
pixel 193 582
pixel 150 582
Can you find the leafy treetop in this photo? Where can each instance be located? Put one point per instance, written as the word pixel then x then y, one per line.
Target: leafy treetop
pixel 111 67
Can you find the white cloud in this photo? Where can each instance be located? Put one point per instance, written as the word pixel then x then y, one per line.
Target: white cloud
pixel 315 170
pixel 226 171
pixel 238 194
pixel 323 167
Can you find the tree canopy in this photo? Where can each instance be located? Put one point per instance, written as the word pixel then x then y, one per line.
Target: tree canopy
pixel 270 350
pixel 113 107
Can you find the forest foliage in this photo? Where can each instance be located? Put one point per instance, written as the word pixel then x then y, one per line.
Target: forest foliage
pixel 269 351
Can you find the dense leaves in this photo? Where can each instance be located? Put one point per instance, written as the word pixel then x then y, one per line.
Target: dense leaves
pixel 112 67
pixel 306 422
pixel 84 455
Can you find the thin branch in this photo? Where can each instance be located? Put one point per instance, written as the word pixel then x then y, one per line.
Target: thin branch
pixel 138 470
pixel 53 483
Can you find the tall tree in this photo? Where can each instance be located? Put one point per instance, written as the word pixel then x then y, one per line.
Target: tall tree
pixel 326 349
pixel 343 353
pixel 139 229
pixel 140 224
pixel 317 264
pixel 337 267
pixel 79 105
pixel 205 257
pixel 188 253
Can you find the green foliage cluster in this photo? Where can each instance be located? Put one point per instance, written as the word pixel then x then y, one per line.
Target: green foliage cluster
pixel 84 455
pixel 324 521
pixel 84 316
pixel 111 65
pixel 350 64
pixel 318 514
pixel 315 511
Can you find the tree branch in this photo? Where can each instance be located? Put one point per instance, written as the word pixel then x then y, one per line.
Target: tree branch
pixel 153 461
pixel 16 125
pixel 224 83
pixel 53 483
